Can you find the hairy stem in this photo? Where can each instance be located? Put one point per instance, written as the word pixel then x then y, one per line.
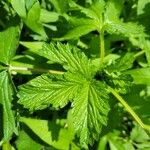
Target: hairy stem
pixel 102 46
pixel 129 109
pixel 39 70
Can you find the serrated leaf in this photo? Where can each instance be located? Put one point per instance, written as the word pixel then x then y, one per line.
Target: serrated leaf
pixel 90 109
pixel 24 142
pixel 88 96
pixel 9 40
pixel 69 56
pixel 94 11
pixel 48 89
pixel 115 7
pixel 52 133
pixel 123 63
pixel 7 120
pixel 127 29
pixel 114 25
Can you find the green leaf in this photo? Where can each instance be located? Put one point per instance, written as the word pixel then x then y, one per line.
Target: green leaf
pixel 48 16
pixel 69 56
pixel 147 50
pixel 114 25
pixel 9 40
pixel 24 141
pixel 89 97
pixel 61 6
pixel 141 5
pixel 32 45
pixel 127 29
pixel 123 63
pixel 48 89
pixel 140 76
pixel 94 11
pixel 90 106
pixel 115 7
pixel 33 17
pixel 138 134
pixel 90 109
pixel 53 133
pixel 19 6
pixel 81 27
pixel 8 126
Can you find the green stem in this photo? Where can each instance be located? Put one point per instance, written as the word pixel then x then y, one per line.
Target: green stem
pixel 39 70
pixel 129 109
pixel 139 54
pixel 102 46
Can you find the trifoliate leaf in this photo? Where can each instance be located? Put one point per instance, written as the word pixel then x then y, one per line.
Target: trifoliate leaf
pixel 7 119
pixel 78 86
pixel 89 101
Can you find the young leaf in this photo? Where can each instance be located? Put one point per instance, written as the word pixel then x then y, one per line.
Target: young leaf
pixel 9 40
pixel 7 118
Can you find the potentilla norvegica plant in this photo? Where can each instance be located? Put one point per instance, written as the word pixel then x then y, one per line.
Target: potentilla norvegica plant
pixel 74 75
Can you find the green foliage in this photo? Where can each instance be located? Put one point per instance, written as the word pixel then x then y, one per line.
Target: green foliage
pixel 88 96
pixel 9 40
pixel 74 75
pixel 7 116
